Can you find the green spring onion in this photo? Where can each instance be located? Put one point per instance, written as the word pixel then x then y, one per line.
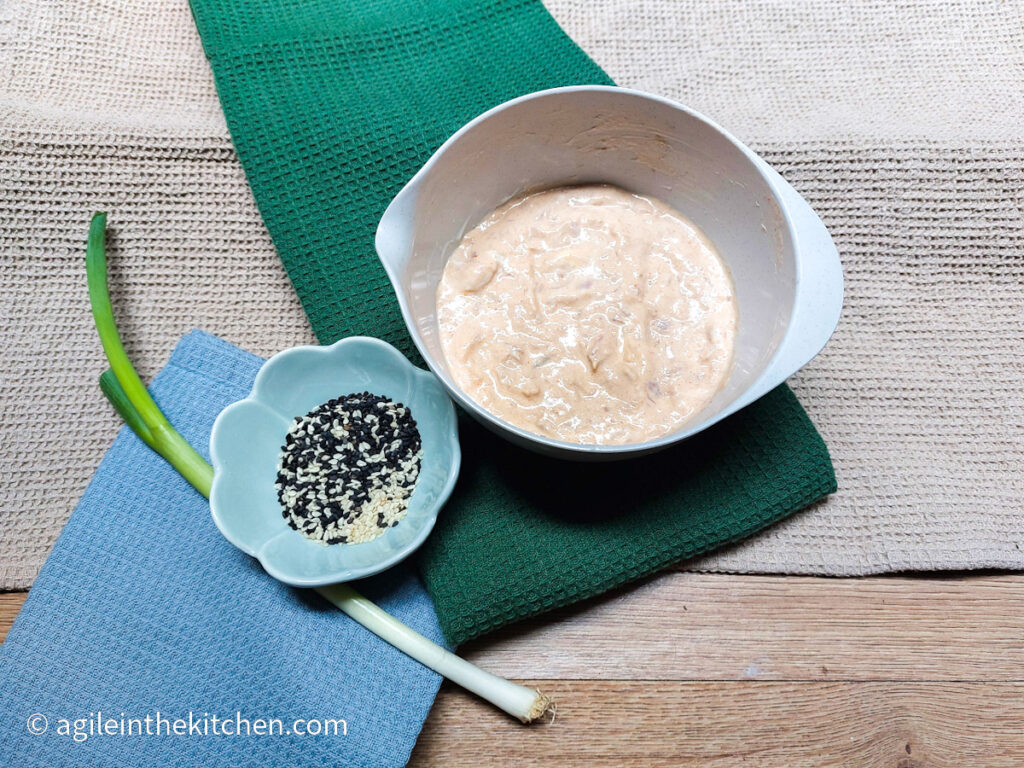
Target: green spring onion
pixel 159 434
pixel 124 389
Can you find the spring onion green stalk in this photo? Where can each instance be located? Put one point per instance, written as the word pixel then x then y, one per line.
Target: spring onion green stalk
pixel 124 389
pixel 163 438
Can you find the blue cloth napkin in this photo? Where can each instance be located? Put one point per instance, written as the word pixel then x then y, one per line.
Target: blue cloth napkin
pixel 142 607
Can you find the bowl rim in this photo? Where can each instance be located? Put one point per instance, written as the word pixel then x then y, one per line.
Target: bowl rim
pixel 551 445
pixel 281 571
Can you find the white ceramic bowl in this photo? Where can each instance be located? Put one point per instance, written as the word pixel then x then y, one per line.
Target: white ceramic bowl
pixel 786 270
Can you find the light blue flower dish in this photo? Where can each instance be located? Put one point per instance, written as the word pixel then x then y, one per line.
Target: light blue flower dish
pixel 246 442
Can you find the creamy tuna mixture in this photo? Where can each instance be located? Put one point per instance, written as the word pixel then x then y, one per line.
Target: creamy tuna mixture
pixel 588 314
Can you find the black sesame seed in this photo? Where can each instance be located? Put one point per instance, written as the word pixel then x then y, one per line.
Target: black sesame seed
pixel 325 481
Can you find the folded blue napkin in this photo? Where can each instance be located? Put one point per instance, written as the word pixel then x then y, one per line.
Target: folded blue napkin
pixel 143 608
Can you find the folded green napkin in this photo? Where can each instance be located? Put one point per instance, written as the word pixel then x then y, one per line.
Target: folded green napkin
pixel 333 105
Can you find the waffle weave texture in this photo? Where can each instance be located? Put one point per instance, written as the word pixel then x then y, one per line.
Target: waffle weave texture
pixel 332 107
pixel 143 607
pixel 899 120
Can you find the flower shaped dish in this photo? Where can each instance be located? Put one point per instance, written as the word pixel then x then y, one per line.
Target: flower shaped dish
pixel 246 442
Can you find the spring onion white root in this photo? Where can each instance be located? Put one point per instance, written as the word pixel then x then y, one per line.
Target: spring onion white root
pixel 130 398
pixel 519 701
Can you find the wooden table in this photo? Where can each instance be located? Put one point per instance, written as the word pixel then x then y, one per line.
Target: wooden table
pixel 715 670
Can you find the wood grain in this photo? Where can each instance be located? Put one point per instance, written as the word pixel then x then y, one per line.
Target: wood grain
pixel 685 626
pixel 689 626
pixel 10 604
pixel 722 671
pixel 609 724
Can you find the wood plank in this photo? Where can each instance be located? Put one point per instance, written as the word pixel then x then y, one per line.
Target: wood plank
pixel 606 724
pixel 690 626
pixel 799 624
pixel 10 604
pixel 684 626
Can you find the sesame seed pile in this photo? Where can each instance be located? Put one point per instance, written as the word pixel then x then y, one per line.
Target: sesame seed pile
pixel 348 468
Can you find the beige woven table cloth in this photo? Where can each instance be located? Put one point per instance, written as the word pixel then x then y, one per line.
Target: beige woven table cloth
pixel 901 121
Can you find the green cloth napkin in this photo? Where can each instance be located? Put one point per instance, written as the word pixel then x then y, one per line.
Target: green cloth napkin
pixel 333 105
